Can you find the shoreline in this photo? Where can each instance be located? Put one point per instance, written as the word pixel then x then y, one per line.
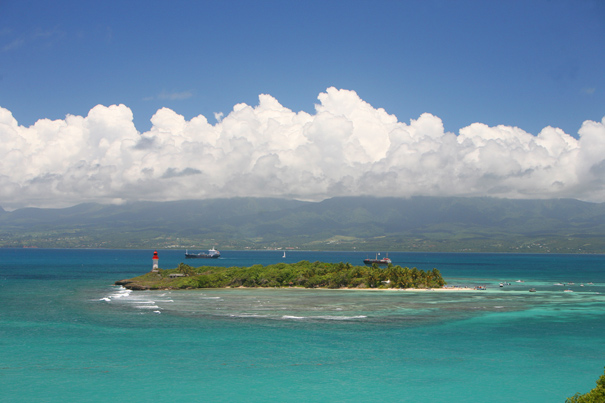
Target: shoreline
pixel 442 289
pixel 138 287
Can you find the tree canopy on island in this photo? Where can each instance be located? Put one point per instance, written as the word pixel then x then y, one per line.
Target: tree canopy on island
pixel 301 274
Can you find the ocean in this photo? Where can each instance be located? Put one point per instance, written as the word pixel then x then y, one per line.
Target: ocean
pixel 67 334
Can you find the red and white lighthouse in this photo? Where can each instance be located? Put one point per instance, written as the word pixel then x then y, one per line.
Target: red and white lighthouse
pixel 155 260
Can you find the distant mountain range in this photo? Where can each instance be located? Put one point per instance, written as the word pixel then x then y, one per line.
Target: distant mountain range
pixel 351 223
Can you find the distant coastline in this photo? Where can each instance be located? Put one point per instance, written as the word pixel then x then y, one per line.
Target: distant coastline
pixel 417 224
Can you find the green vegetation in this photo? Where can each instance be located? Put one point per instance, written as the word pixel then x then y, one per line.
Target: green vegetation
pixel 430 224
pixel 301 274
pixel 597 395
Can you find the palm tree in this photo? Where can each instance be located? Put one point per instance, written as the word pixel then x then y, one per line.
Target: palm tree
pixel 372 278
pixel 185 269
pixel 438 280
pixel 392 273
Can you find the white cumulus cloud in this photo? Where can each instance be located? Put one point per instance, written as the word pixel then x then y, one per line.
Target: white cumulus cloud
pixel 346 148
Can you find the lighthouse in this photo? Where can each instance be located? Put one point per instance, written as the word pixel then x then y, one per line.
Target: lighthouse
pixel 155 267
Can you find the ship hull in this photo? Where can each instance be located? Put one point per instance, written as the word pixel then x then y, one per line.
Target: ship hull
pixel 377 261
pixel 201 256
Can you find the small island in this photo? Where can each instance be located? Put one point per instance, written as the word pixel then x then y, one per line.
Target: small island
pixel 303 274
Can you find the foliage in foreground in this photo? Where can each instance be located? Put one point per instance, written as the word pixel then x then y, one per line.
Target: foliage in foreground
pixel 301 274
pixel 597 395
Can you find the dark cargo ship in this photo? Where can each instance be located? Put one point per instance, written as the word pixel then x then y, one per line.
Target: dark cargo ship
pixel 212 254
pixel 384 260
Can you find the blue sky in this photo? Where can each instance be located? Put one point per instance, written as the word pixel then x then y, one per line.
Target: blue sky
pixel 526 64
pixel 522 63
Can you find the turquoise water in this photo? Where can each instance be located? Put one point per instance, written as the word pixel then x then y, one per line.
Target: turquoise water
pixel 68 335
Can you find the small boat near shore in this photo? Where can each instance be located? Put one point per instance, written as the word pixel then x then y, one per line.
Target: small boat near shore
pixel 211 254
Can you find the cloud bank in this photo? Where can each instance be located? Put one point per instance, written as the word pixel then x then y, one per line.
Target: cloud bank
pixel 346 148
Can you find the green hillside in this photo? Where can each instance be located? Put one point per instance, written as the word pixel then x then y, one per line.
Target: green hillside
pixel 360 223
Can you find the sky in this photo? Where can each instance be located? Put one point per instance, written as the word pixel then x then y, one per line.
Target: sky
pixel 118 101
